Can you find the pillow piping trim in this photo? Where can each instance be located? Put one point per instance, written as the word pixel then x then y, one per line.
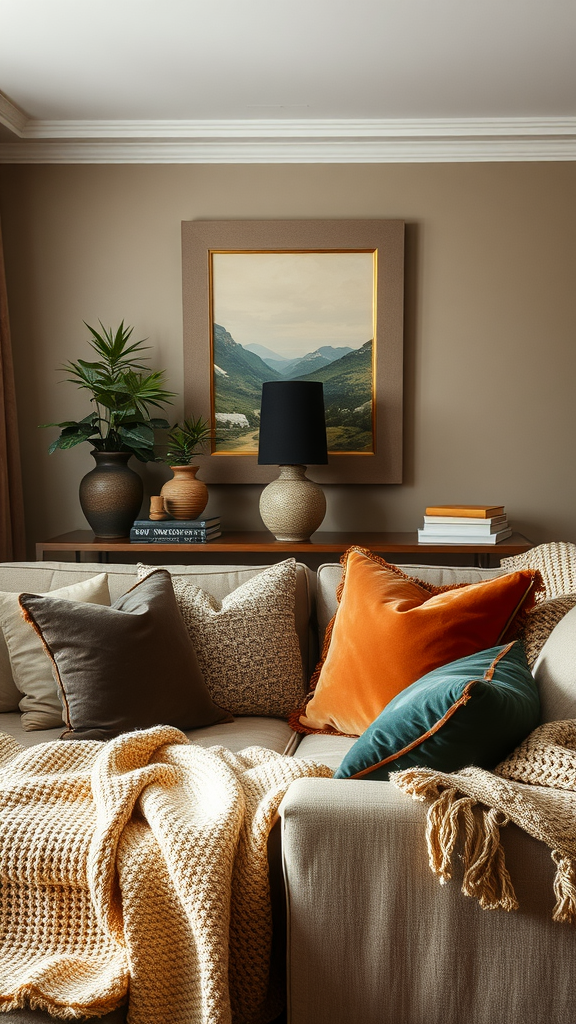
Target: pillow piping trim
pixel 462 700
pixel 518 617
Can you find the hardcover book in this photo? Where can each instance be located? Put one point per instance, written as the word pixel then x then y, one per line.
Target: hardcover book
pixel 174 537
pixel 480 528
pixel 477 538
pixel 464 521
pixel 467 511
pixel 190 524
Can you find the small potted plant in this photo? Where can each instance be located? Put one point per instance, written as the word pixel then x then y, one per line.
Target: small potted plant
pixel 124 393
pixel 184 496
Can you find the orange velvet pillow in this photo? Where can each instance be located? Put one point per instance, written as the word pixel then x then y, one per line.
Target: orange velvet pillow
pixel 391 629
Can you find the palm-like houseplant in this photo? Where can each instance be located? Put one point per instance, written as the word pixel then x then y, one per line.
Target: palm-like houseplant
pixel 124 394
pixel 187 440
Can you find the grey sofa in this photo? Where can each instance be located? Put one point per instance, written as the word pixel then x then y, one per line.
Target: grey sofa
pixel 371 937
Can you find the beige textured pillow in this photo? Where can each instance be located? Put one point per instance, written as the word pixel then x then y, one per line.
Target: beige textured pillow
pixel 247 645
pixel 31 668
pixel 556 562
pixel 540 621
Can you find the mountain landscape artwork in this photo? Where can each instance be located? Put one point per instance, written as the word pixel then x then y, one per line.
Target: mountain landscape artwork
pixel 293 316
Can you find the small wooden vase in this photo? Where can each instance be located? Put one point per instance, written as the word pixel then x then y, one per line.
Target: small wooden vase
pixel 184 496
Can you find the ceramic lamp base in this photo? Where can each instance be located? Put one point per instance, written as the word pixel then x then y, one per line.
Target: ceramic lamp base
pixel 292 507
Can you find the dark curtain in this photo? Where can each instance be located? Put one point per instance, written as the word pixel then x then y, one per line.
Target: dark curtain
pixel 12 535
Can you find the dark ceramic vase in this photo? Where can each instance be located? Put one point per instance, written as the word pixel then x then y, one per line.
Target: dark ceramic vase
pixel 111 494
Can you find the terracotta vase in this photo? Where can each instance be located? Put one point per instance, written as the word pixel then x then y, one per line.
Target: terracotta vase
pixel 185 497
pixel 111 494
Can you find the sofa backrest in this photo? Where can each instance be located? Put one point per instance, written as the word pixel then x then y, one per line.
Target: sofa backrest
pixel 330 574
pixel 217 580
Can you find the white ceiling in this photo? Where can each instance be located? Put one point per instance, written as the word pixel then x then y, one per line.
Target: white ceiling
pixel 204 71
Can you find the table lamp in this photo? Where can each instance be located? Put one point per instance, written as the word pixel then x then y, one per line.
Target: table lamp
pixel 292 436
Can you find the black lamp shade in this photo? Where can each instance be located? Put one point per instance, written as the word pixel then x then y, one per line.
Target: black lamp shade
pixel 292 424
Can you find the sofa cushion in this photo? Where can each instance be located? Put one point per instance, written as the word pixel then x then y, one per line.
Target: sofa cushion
pixel 473 711
pixel 246 644
pixel 270 733
pixel 391 629
pixel 31 669
pixel 326 748
pixel 130 666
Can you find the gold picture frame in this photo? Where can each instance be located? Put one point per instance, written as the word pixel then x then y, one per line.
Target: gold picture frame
pixel 202 241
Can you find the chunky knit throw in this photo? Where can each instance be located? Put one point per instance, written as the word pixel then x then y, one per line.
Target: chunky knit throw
pixel 535 787
pixel 140 863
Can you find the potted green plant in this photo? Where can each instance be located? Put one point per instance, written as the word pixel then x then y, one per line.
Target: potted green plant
pixel 184 496
pixel 124 393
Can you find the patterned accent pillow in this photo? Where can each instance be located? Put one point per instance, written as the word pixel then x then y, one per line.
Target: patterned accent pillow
pixel 247 645
pixel 539 623
pixel 556 563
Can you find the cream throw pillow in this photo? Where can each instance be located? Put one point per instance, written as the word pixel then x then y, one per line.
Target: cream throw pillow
pixel 31 667
pixel 247 645
pixel 555 671
pixel 9 695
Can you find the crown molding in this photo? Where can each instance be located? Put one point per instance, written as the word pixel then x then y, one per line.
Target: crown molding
pixel 11 117
pixel 290 141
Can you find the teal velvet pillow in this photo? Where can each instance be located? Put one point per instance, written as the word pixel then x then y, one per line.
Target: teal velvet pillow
pixel 471 711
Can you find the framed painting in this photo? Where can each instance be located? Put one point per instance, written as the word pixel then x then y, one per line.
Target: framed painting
pixel 296 300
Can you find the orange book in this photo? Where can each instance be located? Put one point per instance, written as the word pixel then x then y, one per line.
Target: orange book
pixel 466 511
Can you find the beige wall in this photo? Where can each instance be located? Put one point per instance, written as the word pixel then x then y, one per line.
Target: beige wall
pixel 490 345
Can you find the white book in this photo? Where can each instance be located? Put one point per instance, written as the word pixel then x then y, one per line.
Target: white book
pixel 462 521
pixel 478 538
pixel 462 530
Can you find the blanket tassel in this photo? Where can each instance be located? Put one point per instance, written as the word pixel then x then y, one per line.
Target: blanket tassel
pixel 486 876
pixel 442 832
pixel 564 888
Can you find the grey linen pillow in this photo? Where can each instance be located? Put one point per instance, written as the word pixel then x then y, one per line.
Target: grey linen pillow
pixel 247 645
pixel 129 666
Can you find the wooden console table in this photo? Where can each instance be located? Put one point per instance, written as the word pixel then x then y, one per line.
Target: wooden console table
pixel 248 541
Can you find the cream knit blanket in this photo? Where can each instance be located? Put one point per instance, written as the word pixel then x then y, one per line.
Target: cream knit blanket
pixel 535 787
pixel 139 863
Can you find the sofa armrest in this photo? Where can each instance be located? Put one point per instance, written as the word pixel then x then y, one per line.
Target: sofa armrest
pixel 373 937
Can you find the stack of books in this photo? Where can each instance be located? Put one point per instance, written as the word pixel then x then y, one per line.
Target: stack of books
pixel 176 531
pixel 464 524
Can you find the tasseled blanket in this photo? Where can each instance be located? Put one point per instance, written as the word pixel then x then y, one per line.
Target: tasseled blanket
pixel 535 787
pixel 139 864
